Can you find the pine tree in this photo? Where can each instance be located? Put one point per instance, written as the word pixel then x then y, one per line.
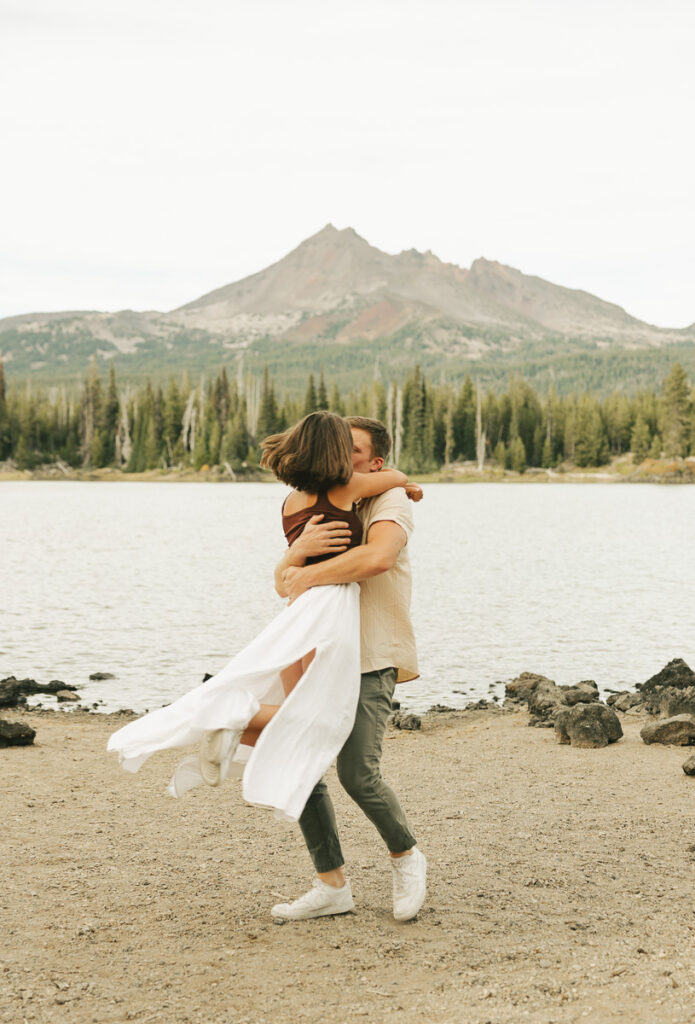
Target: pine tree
pixel 547 454
pixel 322 397
pixel 675 412
pixel 591 442
pixel 655 449
pixel 311 401
pixel 235 443
pixel 108 424
pixel 214 443
pixel 91 414
pixel 5 441
pixel 640 440
pixel 500 454
pixel 336 403
pixel 517 454
pixel 418 443
pixel 268 419
pixel 172 416
pixel 463 425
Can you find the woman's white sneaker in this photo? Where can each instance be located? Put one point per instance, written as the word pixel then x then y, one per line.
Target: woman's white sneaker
pixel 409 884
pixel 216 752
pixel 320 901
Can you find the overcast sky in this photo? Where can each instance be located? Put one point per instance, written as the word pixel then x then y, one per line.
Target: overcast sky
pixel 152 150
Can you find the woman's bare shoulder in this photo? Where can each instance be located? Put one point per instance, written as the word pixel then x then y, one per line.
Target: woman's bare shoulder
pixel 341 496
pixel 297 501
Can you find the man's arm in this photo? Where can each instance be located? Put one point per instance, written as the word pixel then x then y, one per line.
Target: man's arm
pixel 385 541
pixel 316 538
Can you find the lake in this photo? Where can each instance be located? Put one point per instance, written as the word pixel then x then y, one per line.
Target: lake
pixel 158 583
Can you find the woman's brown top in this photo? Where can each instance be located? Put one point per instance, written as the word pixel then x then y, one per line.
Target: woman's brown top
pixel 295 523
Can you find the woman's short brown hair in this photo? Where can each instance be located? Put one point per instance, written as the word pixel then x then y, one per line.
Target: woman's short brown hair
pixel 313 455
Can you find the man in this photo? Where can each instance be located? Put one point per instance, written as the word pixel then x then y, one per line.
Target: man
pixel 382 567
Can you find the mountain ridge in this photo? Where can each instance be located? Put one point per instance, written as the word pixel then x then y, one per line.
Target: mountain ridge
pixel 337 292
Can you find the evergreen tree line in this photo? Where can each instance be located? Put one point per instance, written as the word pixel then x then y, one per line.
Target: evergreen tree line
pixel 221 421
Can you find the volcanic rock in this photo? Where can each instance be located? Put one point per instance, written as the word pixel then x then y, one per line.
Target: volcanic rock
pixel 585 692
pixel 401 720
pixel 679 730
pixel 587 725
pixel 624 701
pixel 13 691
pixel 16 734
pixel 673 701
pixel 521 688
pixel 676 675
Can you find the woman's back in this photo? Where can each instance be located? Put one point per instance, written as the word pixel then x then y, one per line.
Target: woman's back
pixel 294 522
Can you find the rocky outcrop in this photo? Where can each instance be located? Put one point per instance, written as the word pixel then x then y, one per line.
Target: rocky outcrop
pixel 99 676
pixel 679 731
pixel 548 699
pixel 625 701
pixel 587 725
pixel 15 734
pixel 521 688
pixel 401 720
pixel 14 692
pixel 675 676
pixel 677 702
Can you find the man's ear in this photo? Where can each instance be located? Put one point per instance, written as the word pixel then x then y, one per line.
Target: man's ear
pixel 377 464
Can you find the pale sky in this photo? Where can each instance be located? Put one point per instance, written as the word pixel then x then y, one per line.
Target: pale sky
pixel 152 150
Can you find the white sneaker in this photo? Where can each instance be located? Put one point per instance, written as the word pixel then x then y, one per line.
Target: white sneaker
pixel 216 752
pixel 320 901
pixel 409 884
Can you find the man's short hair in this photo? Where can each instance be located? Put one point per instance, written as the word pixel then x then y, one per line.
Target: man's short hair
pixel 381 439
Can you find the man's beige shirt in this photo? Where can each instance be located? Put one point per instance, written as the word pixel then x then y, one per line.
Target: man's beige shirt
pixel 386 632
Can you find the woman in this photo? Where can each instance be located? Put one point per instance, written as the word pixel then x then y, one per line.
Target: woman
pixel 286 703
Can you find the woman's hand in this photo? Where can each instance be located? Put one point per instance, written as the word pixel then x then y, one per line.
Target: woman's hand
pixel 414 492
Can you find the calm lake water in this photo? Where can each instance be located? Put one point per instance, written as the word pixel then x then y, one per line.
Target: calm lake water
pixel 159 583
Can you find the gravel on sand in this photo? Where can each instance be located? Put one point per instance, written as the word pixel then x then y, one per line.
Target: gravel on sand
pixel 560 887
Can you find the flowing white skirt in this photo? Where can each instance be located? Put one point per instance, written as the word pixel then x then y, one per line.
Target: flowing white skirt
pixel 308 731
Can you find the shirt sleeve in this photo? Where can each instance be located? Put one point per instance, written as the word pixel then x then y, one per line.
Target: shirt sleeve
pixel 393 506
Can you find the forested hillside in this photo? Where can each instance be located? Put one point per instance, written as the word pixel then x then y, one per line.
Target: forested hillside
pixel 218 421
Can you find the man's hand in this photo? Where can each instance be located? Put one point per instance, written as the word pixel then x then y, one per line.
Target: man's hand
pixel 294 582
pixel 414 492
pixel 319 538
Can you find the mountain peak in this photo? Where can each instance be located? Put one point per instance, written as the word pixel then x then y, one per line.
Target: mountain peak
pixel 330 233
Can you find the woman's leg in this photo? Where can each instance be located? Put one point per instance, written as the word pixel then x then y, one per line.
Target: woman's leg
pixel 290 676
pixel 258 723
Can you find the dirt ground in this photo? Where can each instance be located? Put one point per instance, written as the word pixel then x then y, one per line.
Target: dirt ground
pixel 560 887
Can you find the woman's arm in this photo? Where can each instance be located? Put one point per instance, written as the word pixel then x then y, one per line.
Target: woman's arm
pixel 367 485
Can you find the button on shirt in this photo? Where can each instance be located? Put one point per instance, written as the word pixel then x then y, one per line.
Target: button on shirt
pixel 386 632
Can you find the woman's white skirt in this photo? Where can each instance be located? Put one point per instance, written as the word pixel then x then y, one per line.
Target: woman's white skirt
pixel 306 734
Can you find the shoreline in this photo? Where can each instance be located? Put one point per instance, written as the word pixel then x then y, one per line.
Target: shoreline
pixel 557 886
pixel 620 470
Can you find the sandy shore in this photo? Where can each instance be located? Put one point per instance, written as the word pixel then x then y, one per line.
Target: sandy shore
pixel 621 469
pixel 561 887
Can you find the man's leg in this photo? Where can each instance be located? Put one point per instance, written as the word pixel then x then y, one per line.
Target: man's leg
pixel 320 832
pixel 331 892
pixel 359 762
pixel 359 771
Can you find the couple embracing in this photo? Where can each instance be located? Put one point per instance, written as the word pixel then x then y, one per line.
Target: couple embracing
pixel 318 682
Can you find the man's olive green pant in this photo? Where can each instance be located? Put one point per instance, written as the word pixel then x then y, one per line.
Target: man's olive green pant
pixel 359 772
